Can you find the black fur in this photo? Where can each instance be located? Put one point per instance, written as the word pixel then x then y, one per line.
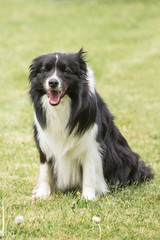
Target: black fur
pixel 120 163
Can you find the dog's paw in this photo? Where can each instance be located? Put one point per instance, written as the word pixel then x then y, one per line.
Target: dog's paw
pixel 42 191
pixel 89 197
pixel 89 194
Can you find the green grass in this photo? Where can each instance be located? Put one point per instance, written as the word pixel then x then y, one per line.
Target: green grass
pixel 123 41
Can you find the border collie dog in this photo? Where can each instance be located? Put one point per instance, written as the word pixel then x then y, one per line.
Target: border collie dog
pixel 78 143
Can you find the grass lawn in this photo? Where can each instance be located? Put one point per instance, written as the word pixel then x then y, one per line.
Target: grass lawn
pixel 122 38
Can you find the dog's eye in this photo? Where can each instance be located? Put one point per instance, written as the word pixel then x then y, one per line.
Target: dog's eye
pixel 44 71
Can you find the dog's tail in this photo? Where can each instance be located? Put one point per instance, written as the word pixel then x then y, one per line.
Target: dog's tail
pixel 143 173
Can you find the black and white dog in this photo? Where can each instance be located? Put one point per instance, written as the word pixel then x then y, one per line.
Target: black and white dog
pixel 78 142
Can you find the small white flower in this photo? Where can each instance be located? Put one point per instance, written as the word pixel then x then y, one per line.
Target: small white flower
pixel 19 219
pixel 1 234
pixel 96 219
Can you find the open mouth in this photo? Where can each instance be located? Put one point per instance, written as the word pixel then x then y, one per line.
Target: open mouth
pixel 55 96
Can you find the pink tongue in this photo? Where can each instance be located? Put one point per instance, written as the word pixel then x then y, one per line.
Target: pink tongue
pixel 54 97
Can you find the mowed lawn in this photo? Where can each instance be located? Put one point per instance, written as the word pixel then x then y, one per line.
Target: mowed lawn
pixel 122 39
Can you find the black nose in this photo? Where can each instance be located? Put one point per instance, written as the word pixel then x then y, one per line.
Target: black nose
pixel 53 83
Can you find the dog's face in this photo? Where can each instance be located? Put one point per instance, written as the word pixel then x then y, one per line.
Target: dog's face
pixel 57 74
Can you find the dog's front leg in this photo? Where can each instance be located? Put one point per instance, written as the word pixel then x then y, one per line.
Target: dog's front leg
pixel 43 188
pixel 89 178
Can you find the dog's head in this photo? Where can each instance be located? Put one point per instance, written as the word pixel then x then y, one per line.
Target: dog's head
pixel 58 74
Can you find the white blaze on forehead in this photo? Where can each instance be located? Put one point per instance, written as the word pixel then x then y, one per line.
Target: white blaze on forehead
pixel 91 80
pixel 55 71
pixel 54 75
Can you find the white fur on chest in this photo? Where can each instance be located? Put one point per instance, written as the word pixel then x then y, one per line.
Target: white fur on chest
pixel 67 151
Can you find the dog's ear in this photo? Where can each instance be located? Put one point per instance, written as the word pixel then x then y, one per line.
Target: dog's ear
pixel 81 56
pixel 35 67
